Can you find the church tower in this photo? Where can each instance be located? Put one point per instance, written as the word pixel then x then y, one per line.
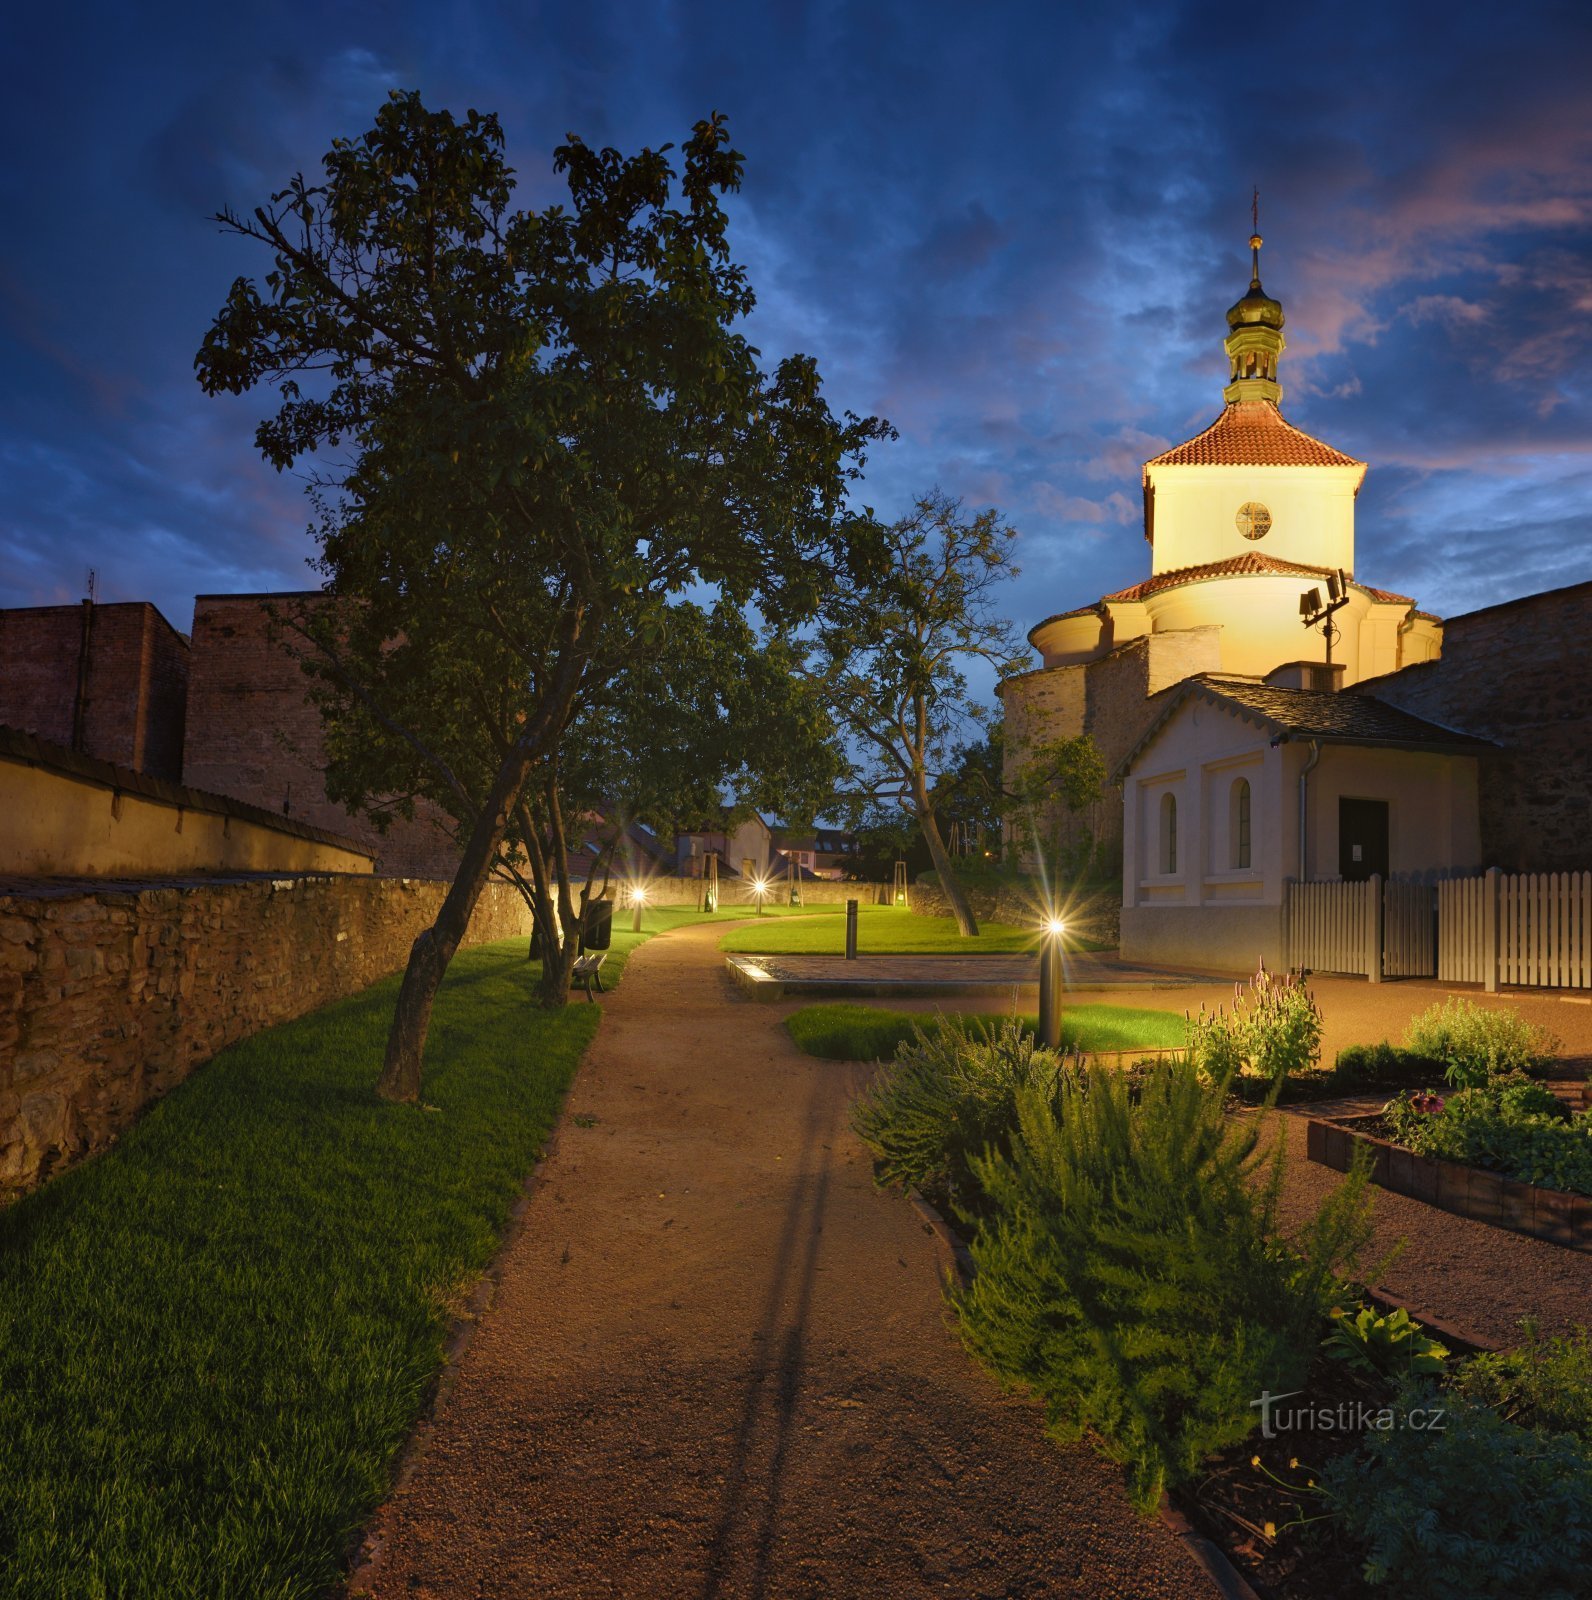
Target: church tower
pixel 1243 520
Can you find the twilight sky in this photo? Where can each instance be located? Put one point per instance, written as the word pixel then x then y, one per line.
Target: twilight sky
pixel 1012 229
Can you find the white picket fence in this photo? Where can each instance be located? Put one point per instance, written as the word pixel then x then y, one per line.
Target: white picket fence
pixel 1380 930
pixel 1532 929
pixel 1528 930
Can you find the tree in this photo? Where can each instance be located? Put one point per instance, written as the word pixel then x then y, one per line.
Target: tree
pixel 532 432
pixel 1055 782
pixel 889 657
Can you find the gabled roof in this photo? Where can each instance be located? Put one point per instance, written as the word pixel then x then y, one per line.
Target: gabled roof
pixel 1252 433
pixel 1327 718
pixel 1250 562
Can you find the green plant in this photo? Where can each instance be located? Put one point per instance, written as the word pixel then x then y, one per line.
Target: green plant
pixel 1501 1129
pixel 1378 1345
pixel 1541 1383
pixel 1130 1273
pixel 1477 1043
pixel 948 1096
pixel 1273 1030
pixel 1382 1066
pixel 1454 1502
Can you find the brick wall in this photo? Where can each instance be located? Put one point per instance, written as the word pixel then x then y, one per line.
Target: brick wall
pixel 252 733
pixel 135 688
pixel 110 997
pixel 1518 674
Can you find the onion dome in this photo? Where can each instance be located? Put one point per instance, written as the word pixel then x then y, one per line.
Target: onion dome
pixel 1255 342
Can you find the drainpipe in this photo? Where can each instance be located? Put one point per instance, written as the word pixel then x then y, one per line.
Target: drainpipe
pixel 1304 804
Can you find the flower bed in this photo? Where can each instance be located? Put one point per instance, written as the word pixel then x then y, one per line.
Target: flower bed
pixel 1550 1214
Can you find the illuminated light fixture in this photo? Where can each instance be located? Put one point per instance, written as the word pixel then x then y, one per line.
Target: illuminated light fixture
pixel 1055 927
pixel 760 889
pixel 638 898
pixel 1051 983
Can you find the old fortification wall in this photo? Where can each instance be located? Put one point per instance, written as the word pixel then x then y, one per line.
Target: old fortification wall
pixel 1518 674
pixel 133 683
pixel 252 732
pixel 110 996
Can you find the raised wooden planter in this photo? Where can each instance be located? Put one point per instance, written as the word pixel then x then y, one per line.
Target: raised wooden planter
pixel 1563 1219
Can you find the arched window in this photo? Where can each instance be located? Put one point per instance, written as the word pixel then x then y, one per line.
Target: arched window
pixel 1238 825
pixel 1168 833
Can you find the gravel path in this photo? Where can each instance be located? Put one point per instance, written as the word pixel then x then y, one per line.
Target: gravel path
pixel 718 1364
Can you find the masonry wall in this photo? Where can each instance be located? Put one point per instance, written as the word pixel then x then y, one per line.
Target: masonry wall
pixel 253 733
pixel 134 690
pixel 1521 675
pixel 1109 700
pixel 108 998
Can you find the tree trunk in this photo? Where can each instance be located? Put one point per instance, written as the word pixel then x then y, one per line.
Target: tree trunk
pixel 940 856
pixel 434 948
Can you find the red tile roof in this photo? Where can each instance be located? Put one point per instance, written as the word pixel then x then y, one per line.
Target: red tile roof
pixel 1253 433
pixel 1250 563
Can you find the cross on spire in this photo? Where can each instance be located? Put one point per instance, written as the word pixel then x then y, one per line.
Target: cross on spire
pixel 1255 240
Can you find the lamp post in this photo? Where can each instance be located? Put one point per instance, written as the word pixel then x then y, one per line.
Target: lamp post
pixel 1313 613
pixel 638 898
pixel 1050 984
pixel 760 889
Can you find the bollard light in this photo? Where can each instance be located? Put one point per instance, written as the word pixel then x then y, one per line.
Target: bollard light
pixel 1050 984
pixel 638 898
pixel 760 889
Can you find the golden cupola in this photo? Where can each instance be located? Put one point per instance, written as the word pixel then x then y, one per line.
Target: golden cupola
pixel 1255 343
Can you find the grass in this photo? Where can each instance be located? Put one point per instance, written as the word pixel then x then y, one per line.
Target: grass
pixel 881 930
pixel 215 1337
pixel 846 1032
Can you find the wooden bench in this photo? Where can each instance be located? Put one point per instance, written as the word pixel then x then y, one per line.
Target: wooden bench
pixel 588 970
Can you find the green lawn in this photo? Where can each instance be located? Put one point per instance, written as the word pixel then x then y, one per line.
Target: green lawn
pixel 215 1337
pixel 846 1032
pixel 881 930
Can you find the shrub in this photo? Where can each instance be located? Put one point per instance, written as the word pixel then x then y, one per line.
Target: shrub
pixel 1274 1029
pixel 1541 1383
pixel 1383 1066
pixel 1390 1346
pixel 1129 1273
pixel 1477 1507
pixel 947 1096
pixel 1477 1043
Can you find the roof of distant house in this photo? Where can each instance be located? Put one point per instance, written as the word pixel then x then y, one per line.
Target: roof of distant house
pixel 1314 714
pixel 1253 433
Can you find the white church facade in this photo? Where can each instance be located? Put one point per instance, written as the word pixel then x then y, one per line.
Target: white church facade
pixel 1221 688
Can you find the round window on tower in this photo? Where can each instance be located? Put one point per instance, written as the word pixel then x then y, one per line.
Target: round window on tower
pixel 1253 520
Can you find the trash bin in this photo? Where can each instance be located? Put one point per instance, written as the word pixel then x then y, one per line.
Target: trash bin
pixel 599 930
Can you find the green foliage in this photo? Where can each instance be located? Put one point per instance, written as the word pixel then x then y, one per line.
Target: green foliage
pixel 1130 1272
pixel 1477 1043
pixel 1382 1066
pixel 1541 1383
pixel 1055 782
pixel 1273 1031
pixel 947 1097
pixel 1389 1346
pixel 1474 1508
pixel 1513 1126
pixel 849 1032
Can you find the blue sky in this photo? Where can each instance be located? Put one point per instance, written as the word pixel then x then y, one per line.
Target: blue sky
pixel 1013 230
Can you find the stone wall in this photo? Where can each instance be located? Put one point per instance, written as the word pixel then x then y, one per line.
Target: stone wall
pixel 253 733
pixel 1518 674
pixel 1110 700
pixel 111 995
pixel 133 683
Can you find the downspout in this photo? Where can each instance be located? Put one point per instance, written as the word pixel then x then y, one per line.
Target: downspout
pixel 1304 804
pixel 80 701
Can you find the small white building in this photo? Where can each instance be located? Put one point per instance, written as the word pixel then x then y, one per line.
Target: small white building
pixel 1239 785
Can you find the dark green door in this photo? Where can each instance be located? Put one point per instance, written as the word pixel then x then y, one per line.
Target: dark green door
pixel 1362 839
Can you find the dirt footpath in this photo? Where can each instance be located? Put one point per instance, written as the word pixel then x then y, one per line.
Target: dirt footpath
pixel 718 1365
